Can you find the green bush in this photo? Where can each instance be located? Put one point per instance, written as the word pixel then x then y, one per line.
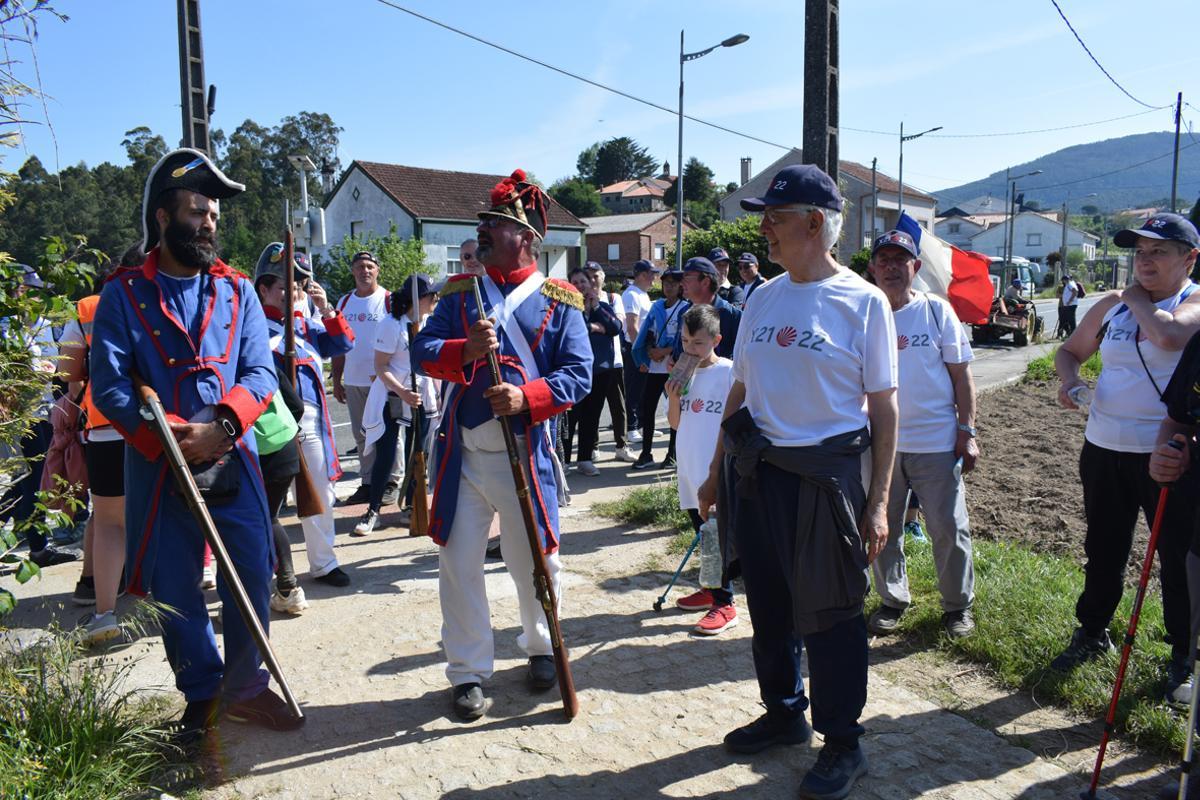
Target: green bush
pixel 1041 369
pixel 398 258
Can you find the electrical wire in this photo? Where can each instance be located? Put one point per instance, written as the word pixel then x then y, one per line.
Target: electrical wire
pixel 1013 133
pixel 1106 174
pixel 1094 59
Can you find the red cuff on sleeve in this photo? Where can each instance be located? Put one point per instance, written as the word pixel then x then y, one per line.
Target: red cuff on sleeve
pixel 144 440
pixel 337 326
pixel 449 364
pixel 243 406
pixel 541 402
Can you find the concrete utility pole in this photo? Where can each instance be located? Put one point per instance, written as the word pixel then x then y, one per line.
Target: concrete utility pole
pixel 1175 161
pixel 196 111
pixel 1062 263
pixel 820 138
pixel 874 201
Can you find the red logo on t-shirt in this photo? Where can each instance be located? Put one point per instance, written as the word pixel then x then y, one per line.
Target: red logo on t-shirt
pixel 786 336
pixel 902 342
pixel 697 406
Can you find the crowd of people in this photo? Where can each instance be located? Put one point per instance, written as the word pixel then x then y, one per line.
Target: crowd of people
pixel 806 414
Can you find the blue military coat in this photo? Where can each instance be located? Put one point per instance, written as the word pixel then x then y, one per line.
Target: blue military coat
pixel 553 326
pixel 228 364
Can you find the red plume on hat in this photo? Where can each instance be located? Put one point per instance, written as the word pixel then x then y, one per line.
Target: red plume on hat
pixel 516 199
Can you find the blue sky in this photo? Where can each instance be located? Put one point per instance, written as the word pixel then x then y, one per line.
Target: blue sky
pixel 410 93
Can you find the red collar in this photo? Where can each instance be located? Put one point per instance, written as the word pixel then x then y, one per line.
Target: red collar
pixel 276 314
pixel 150 267
pixel 514 276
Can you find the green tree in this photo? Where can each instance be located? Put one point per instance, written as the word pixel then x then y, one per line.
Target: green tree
pixel 398 258
pixel 578 196
pixel 585 165
pixel 737 237
pixel 622 159
pixel 699 191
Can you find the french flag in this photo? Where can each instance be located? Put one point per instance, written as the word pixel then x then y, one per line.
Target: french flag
pixel 960 276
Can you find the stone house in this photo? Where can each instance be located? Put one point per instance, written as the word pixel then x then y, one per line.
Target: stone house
pixel 632 197
pixel 618 241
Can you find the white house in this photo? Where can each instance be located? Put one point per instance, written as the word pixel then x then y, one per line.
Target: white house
pixel 958 230
pixel 854 181
pixel 1034 237
pixel 437 206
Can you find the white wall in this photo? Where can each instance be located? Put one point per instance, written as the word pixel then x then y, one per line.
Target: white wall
pixel 373 208
pixel 991 242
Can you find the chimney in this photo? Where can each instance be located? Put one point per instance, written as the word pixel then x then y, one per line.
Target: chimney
pixel 745 170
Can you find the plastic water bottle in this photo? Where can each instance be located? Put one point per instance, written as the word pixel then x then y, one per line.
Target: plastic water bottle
pixel 710 554
pixel 1081 396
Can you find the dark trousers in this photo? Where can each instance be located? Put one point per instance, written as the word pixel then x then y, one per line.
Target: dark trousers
pixel 1115 487
pixel 33 446
pixel 285 573
pixel 1066 315
pixel 652 392
pixel 385 457
pixel 606 386
pixel 724 595
pixel 765 537
pixel 635 381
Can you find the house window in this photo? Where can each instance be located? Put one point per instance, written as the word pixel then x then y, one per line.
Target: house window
pixel 614 252
pixel 453 261
pixel 954 227
pixel 1033 240
pixel 356 227
pixel 660 252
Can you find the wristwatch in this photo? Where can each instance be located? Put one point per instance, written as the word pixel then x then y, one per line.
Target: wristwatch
pixel 230 429
pixel 969 430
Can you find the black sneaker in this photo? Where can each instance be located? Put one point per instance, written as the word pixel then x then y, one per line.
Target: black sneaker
pixel 266 710
pixel 668 462
pixel 768 731
pixel 885 620
pixel 644 462
pixel 85 591
pixel 199 717
pixel 958 624
pixel 1084 647
pixel 469 702
pixel 391 493
pixel 361 495
pixel 835 772
pixel 50 556
pixel 542 674
pixel 335 577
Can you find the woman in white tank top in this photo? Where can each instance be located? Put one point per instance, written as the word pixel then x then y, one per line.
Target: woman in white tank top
pixel 1140 332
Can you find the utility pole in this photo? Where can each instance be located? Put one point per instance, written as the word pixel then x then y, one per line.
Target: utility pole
pixel 820 138
pixel 196 111
pixel 1175 161
pixel 1062 261
pixel 874 201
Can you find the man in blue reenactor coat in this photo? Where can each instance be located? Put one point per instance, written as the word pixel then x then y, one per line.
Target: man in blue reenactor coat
pixel 193 330
pixel 536 326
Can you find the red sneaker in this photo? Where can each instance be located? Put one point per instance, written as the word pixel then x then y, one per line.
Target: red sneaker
pixel 716 620
pixel 697 601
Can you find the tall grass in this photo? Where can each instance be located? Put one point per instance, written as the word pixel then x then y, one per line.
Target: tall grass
pixel 1042 368
pixel 654 506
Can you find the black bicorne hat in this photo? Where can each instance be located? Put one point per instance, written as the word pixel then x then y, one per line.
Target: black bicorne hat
pixel 184 168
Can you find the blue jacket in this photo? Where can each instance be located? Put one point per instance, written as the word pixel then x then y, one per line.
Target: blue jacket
pixel 603 351
pixel 228 366
pixel 731 317
pixel 558 339
pixel 654 331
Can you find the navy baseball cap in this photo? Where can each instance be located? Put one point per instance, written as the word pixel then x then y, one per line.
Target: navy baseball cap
pixel 30 278
pixel 424 287
pixel 1170 227
pixel 673 274
pixel 801 183
pixel 895 239
pixel 718 254
pixel 593 266
pixel 748 258
pixel 643 265
pixel 701 265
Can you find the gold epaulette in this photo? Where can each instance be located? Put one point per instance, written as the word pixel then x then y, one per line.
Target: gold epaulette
pixel 457 283
pixel 563 292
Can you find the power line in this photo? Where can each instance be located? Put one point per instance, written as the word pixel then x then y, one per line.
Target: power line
pixel 1094 59
pixel 1014 133
pixel 1106 174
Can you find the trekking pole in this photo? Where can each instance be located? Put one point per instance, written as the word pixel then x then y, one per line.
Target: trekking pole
pixel 1130 633
pixel 1189 752
pixel 658 604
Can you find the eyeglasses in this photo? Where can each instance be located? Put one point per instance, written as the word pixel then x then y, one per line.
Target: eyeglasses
pixel 490 222
pixel 771 214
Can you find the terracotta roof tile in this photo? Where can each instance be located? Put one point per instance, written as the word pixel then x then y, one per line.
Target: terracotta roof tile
pixel 885 183
pixel 443 194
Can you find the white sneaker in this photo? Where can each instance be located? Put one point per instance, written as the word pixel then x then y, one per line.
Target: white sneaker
pixel 208 579
pixel 634 436
pixel 588 468
pixel 626 455
pixel 366 524
pixel 293 602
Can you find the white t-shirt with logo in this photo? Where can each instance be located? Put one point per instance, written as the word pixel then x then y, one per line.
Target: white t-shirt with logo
pixel 391 337
pixel 636 302
pixel 928 337
pixel 363 315
pixel 701 408
pixel 808 353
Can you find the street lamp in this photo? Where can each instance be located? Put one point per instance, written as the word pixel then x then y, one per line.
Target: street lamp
pixel 732 41
pixel 304 165
pixel 1062 257
pixel 900 179
pixel 1010 197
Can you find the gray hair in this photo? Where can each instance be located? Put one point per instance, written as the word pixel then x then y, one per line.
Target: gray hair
pixel 535 248
pixel 831 227
pixel 466 242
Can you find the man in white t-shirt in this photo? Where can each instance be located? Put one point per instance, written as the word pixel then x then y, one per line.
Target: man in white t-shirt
pixel 354 372
pixel 636 299
pixel 814 387
pixel 936 442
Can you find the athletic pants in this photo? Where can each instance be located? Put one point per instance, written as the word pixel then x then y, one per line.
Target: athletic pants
pixel 635 382
pixel 606 385
pixel 319 530
pixel 486 487
pixel 944 503
pixel 356 401
pixel 652 392
pixel 765 538
pixel 1116 486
